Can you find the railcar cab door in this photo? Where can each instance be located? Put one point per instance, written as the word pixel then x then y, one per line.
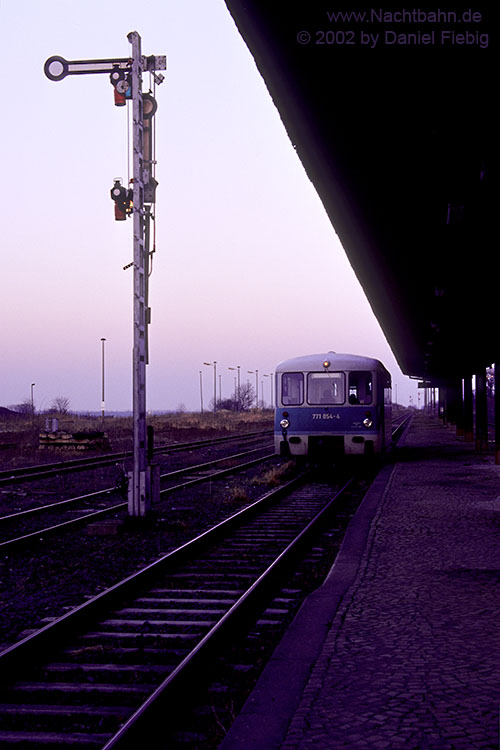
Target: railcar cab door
pixel 360 387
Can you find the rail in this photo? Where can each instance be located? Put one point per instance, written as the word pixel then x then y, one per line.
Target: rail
pixel 148 613
pixel 43 533
pixel 106 673
pixel 41 471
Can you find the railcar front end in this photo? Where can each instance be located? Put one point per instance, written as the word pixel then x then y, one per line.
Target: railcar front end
pixel 330 404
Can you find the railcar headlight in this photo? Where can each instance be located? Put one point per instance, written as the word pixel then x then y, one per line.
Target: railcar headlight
pixel 284 424
pixel 368 422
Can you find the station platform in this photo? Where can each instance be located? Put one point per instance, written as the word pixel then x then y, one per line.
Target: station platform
pixel 400 647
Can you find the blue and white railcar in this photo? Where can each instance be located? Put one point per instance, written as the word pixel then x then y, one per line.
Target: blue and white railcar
pixel 332 404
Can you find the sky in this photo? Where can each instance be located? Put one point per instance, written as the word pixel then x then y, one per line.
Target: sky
pixel 240 230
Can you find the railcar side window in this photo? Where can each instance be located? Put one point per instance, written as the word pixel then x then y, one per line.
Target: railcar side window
pixel 360 387
pixel 292 388
pixel 325 388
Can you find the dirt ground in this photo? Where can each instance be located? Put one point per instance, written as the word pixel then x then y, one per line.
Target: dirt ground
pixel 19 435
pixel 44 579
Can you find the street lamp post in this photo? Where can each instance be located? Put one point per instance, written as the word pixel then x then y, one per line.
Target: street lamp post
pixel 32 403
pixel 209 364
pixel 270 376
pixel 256 372
pixel 102 379
pixel 237 394
pixel 201 392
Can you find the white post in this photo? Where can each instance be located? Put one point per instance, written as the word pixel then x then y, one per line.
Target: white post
pixel 139 501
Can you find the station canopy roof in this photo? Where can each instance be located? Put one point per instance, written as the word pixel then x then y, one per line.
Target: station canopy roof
pixel 396 134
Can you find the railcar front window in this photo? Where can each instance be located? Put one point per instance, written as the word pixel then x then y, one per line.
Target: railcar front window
pixel 360 387
pixel 292 388
pixel 325 388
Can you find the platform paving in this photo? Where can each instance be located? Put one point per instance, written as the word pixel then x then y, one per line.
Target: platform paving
pixel 400 648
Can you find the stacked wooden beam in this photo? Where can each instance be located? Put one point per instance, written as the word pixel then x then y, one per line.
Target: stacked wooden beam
pixel 76 441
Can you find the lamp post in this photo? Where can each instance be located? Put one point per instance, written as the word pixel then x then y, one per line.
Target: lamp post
pixel 201 392
pixel 270 376
pixel 102 378
pixel 251 372
pixel 32 403
pixel 214 365
pixel 237 393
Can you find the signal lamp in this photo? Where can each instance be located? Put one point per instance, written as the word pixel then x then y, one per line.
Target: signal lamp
pixel 123 200
pixel 121 85
pixel 119 99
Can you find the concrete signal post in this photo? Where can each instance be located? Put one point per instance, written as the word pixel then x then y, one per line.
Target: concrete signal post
pixel 126 77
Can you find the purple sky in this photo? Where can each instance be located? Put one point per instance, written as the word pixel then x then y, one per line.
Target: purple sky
pixel 248 270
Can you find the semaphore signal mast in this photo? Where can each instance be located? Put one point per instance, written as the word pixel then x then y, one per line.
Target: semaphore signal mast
pixel 126 77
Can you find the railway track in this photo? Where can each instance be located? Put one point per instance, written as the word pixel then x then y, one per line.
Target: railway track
pixel 104 674
pixel 44 471
pixel 108 496
pixel 111 671
pixel 399 426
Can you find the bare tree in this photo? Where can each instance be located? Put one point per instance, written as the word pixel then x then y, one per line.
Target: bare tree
pixel 241 400
pixel 25 407
pixel 245 396
pixel 60 405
